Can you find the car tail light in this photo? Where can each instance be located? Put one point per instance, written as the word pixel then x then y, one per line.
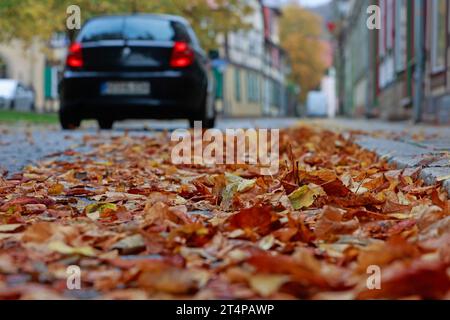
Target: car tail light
pixel 182 55
pixel 75 56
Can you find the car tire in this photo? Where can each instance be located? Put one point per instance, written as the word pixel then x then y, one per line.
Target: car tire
pixel 69 120
pixel 105 124
pixel 207 123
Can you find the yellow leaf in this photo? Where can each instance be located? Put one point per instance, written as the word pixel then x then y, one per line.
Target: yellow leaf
pixel 304 197
pixel 104 163
pixel 93 215
pixel 56 189
pixel 235 184
pixel 266 285
pixel 10 227
pixel 94 210
pixel 443 178
pixel 61 247
pixel 236 233
pixel 408 180
pixel 267 242
pixel 245 185
pixel 334 250
pixel 400 216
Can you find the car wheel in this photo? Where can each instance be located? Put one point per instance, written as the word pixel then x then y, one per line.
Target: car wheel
pixel 208 119
pixel 68 120
pixel 206 123
pixel 210 123
pixel 105 124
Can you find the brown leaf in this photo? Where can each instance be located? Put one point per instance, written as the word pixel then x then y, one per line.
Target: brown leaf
pixel 256 217
pixel 160 212
pixel 130 245
pixel 174 281
pixel 426 279
pixel 330 223
pixel 381 254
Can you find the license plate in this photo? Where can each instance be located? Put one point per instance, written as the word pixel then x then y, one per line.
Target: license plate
pixel 125 88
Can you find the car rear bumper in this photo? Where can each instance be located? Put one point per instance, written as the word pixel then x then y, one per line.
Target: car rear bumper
pixel 174 94
pixel 130 108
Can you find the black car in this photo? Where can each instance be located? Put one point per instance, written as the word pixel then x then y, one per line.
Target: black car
pixel 136 67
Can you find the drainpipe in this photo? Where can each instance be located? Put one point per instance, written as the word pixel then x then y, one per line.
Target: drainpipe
pixel 370 67
pixel 419 48
pixel 226 109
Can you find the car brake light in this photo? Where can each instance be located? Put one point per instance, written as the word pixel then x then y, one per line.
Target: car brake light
pixel 182 55
pixel 75 56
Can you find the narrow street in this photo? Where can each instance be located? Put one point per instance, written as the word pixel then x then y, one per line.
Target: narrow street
pixel 403 144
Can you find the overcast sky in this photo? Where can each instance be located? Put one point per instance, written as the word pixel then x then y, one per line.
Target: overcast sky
pixel 309 2
pixel 313 2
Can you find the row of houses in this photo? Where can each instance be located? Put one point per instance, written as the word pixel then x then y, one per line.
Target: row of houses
pixel 399 70
pixel 250 69
pixel 254 79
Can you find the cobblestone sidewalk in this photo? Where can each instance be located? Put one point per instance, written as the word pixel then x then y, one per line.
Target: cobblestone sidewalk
pixel 405 145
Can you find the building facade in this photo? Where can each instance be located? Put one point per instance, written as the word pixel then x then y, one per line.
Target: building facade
pixel 399 71
pixel 37 66
pixel 253 76
pixel 437 62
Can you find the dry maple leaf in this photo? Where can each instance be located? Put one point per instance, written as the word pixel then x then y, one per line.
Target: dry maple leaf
pixel 330 223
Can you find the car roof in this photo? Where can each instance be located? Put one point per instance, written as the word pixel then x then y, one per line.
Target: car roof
pixel 6 80
pixel 7 86
pixel 9 83
pixel 150 15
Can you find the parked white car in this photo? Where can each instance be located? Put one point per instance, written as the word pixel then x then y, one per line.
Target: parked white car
pixel 15 95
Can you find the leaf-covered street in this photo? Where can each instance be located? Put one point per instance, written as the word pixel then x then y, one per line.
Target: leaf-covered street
pixel 139 227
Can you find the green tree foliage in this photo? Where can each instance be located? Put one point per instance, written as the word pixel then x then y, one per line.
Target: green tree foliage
pixel 28 19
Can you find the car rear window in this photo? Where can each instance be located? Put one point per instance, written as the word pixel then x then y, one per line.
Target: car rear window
pixel 109 28
pixel 133 28
pixel 141 28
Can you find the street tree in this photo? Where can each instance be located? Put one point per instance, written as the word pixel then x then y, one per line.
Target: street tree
pixel 300 32
pixel 29 19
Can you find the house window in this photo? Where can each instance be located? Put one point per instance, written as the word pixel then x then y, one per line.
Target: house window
pixel 237 84
pixel 401 16
pixel 438 35
pixel 389 23
pixel 252 87
pixel 382 31
pixel 275 97
pixel 249 87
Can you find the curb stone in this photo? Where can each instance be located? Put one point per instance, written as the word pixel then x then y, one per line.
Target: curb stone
pixel 434 162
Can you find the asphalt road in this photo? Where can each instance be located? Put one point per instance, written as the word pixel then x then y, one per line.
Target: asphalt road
pixel 22 145
pixel 406 145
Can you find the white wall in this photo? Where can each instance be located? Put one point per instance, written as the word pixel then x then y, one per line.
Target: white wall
pixel 329 88
pixel 26 65
pixel 247 47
